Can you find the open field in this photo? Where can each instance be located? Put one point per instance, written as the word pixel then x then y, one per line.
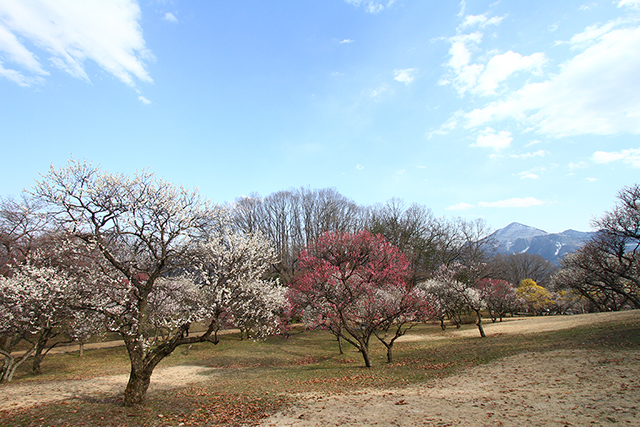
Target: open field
pixel 570 370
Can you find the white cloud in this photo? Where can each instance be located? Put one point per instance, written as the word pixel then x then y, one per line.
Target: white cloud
pixel 460 207
pixel 144 100
pixel 595 92
pixel 345 41
pixel 488 138
pixel 479 78
pixel 513 203
pixel 501 67
pixel 70 33
pixel 359 167
pixel 634 4
pixel 528 155
pixel 463 8
pixel 528 175
pixel 588 6
pixel 480 20
pixel 170 17
pixel 578 165
pixel 591 34
pixel 539 153
pixel 372 6
pixel 630 156
pixel 18 54
pixel 465 74
pixel 376 93
pixel 591 179
pixel 405 76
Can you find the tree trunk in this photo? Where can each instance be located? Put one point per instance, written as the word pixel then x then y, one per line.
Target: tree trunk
pixel 389 352
pixel 340 345
pixel 143 363
pixel 38 354
pixel 11 365
pixel 36 369
pixel 81 348
pixel 137 386
pixel 479 325
pixel 365 355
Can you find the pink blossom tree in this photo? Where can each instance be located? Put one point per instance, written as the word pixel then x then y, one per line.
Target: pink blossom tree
pixel 355 285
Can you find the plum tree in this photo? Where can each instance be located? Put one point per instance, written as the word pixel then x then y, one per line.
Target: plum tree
pixel 354 285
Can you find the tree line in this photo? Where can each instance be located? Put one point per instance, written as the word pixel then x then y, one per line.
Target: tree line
pixel 87 251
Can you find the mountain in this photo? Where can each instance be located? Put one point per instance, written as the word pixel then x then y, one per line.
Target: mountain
pixel 520 238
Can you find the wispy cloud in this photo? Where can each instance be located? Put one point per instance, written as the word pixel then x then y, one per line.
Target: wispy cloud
pixel 528 155
pixel 70 33
pixel 528 175
pixel 144 100
pixel 569 103
pixel 480 21
pixel 463 74
pixel 359 167
pixel 405 76
pixel 634 4
pixel 376 93
pixel 372 6
pixel 460 207
pixel 508 203
pixel 513 203
pixel 170 17
pixel 630 156
pixel 501 67
pixel 346 41
pixel 488 138
pixel 578 165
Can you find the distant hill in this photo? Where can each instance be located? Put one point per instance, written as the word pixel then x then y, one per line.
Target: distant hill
pixel 519 238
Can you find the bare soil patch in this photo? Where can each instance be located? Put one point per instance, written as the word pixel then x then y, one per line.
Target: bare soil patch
pixel 28 394
pixel 557 388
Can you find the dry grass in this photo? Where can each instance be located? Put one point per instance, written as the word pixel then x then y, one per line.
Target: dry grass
pixel 254 379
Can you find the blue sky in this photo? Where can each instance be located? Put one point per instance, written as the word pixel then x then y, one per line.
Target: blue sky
pixel 508 111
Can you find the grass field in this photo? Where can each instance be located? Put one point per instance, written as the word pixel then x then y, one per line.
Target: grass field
pixel 254 379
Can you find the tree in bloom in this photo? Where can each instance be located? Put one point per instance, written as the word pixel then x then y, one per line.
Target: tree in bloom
pixel 536 298
pixel 36 306
pixel 141 239
pixel 499 296
pixel 458 281
pixel 403 307
pixel 355 285
pixel 445 301
pixel 230 268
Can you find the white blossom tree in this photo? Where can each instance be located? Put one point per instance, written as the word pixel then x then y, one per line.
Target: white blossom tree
pixel 143 238
pixel 35 307
pixel 454 287
pixel 230 270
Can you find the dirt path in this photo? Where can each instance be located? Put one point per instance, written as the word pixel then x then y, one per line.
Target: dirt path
pixel 561 388
pixel 29 394
pixel 558 388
